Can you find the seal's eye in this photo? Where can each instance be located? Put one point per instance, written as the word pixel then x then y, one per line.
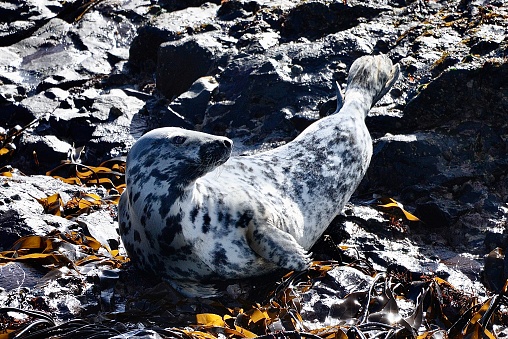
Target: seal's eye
pixel 179 140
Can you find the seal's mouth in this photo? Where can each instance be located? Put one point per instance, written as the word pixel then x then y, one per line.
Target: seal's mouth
pixel 215 153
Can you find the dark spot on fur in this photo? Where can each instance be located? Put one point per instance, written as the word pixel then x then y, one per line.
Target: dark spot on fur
pixel 244 219
pixel 143 220
pixel 219 257
pixel 137 236
pixel 169 200
pixel 168 234
pixel 187 250
pixel 126 229
pixel 205 228
pixel 136 197
pixel 123 228
pixel 150 238
pixel 194 214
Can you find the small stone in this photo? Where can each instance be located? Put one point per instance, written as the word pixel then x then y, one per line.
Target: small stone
pixel 296 69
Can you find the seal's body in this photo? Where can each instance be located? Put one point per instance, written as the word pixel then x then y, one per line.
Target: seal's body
pixel 190 212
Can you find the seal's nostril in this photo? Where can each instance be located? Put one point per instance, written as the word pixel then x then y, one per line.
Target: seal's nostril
pixel 228 143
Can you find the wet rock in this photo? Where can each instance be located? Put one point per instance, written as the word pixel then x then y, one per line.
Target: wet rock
pixel 193 103
pixel 168 27
pixel 38 154
pixel 14 276
pixel 315 19
pixel 495 272
pixel 182 62
pixel 20 212
pixel 324 302
pixel 460 94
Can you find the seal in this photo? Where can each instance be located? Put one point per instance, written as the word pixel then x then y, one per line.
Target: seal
pixel 191 212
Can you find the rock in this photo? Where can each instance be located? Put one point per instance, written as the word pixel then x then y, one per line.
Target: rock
pixel 230 10
pixel 193 103
pixel 10 93
pixel 465 93
pixel 20 212
pixel 315 19
pixel 168 27
pixel 180 63
pixel 495 272
pixel 324 302
pixel 38 154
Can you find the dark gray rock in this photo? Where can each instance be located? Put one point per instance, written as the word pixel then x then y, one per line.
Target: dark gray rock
pixel 466 93
pixel 182 62
pixel 267 96
pixel 274 63
pixel 193 103
pixel 168 27
pixel 316 19
pixel 38 154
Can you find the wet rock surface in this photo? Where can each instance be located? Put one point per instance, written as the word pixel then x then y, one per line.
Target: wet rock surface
pixel 101 74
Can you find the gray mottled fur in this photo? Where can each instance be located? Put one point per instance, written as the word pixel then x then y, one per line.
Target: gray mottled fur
pixel 190 212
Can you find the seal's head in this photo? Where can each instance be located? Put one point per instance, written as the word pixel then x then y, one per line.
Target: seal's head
pixel 372 75
pixel 175 154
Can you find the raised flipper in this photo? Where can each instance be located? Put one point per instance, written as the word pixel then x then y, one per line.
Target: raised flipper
pixel 278 247
pixel 340 96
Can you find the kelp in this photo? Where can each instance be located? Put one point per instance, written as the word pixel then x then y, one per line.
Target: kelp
pixel 440 310
pixel 110 175
pixel 7 146
pixel 46 251
pixel 376 315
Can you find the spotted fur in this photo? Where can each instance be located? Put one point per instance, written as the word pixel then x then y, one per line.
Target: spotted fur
pixel 192 212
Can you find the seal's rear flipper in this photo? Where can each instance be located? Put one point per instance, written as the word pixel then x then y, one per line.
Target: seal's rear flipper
pixel 278 247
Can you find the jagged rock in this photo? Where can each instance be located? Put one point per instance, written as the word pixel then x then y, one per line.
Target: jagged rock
pixel 169 27
pixel 460 94
pixel 193 103
pixel 10 93
pixel 38 106
pixel 315 19
pixel 20 212
pixel 22 18
pixel 38 154
pixel 180 63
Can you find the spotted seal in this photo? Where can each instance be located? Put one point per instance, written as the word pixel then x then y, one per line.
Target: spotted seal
pixel 192 212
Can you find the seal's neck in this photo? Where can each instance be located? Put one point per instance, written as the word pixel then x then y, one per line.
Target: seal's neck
pixel 357 103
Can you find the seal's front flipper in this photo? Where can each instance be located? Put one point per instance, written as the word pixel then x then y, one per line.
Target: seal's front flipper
pixel 278 247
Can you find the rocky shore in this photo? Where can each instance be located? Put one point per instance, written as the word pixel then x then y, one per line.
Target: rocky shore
pixel 98 74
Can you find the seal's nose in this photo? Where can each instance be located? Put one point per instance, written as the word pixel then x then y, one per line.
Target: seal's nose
pixel 228 143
